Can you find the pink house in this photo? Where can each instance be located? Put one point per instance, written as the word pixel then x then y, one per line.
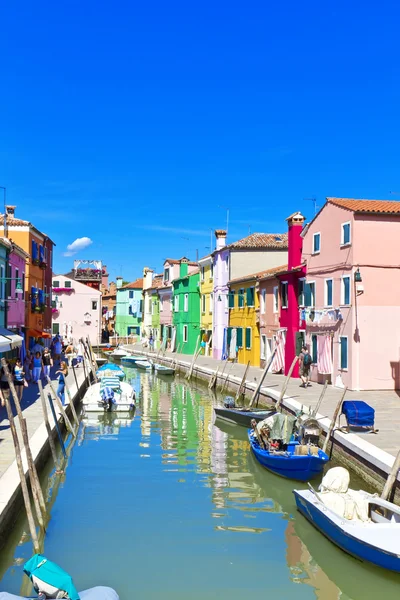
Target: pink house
pixel 76 309
pixel 16 271
pixel 351 294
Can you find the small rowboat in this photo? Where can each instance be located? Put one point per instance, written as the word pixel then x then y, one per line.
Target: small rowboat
pixel 130 361
pixel 110 369
pixel 144 364
pixel 163 370
pixel 287 463
pixel 375 540
pixel 118 353
pixel 242 416
pixel 123 397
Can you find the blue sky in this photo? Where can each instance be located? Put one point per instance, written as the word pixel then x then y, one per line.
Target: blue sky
pixel 134 123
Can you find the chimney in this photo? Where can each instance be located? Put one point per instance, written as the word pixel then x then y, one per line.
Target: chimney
pixel 10 210
pixel 220 235
pixel 295 241
pixel 119 282
pixel 147 277
pixel 183 267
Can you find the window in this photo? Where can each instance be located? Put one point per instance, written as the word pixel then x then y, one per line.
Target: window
pixel 176 303
pixel 328 292
pixel 94 304
pixel 186 303
pixel 211 275
pixel 276 299
pixel 203 303
pixel 23 286
pixel 241 298
pixel 262 301
pixel 3 283
pixel 346 234
pixel 263 347
pixel 309 293
pixel 239 337
pixel 202 273
pixel 314 346
pixel 284 294
pixel 131 294
pixel 250 296
pixel 211 303
pixel 16 281
pixel 346 290
pixel 185 333
pixel 344 361
pixel 56 284
pixel 316 243
pixel 56 328
pixel 248 338
pixel 227 264
pixel 300 292
pixel 67 284
pixel 166 274
pixel 8 282
pixel 231 299
pixel 161 304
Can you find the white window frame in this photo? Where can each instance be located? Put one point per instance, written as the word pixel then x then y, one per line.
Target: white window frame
pixel 210 307
pixel 176 303
pixel 341 368
pixel 203 304
pixel 185 334
pixel 313 243
pixel 326 292
pixel 313 296
pixel 342 242
pixel 227 264
pixel 202 270
pixel 286 284
pixel 263 296
pixel 166 271
pixel 276 299
pixel 263 349
pixel 342 291
pixel 302 304
pixel 186 303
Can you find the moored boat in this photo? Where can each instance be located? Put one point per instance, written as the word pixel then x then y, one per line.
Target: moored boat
pixel 163 370
pixel 110 370
pixel 360 523
pixel 100 360
pixel 241 415
pixel 118 353
pixel 130 361
pixel 144 364
pixel 109 395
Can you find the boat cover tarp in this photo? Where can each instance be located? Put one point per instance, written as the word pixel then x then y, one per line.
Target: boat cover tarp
pixel 338 497
pixel 358 413
pixel 110 366
pixel 96 593
pixel 111 382
pixel 49 577
pixel 280 427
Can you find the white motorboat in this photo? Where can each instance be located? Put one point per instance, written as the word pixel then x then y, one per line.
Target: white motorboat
pixel 109 395
pixel 118 353
pixel 163 370
pixel 144 364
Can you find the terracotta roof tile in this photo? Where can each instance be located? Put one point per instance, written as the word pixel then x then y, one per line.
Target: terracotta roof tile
pixel 388 207
pixel 135 285
pixel 158 281
pixel 175 261
pixel 261 240
pixel 261 274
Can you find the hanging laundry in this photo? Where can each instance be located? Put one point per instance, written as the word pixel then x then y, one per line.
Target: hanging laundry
pixel 324 354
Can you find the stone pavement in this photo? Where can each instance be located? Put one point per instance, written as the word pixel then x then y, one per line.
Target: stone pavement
pixel 32 410
pixel 385 403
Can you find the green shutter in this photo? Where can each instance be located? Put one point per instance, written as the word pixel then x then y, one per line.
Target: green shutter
pixel 248 337
pixel 239 337
pixel 241 298
pixel 343 353
pixel 250 296
pixel 314 352
pixel 231 299
pixel 228 337
pixel 299 341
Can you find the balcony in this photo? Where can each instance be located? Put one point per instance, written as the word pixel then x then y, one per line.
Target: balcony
pixel 88 274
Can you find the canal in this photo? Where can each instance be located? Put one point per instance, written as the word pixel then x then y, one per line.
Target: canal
pixel 169 505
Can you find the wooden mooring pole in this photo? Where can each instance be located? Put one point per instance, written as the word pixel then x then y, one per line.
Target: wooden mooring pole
pixel 61 408
pixel 391 480
pixel 71 403
pixel 242 383
pixel 263 375
pixel 333 421
pixel 47 424
pixel 286 383
pixel 24 486
pixel 57 425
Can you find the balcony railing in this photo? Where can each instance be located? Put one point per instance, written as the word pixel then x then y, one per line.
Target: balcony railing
pixel 88 274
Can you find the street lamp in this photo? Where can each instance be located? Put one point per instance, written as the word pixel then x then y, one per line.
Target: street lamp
pixel 18 285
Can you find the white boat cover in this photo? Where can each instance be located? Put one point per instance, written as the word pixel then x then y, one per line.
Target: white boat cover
pixel 96 593
pixel 336 495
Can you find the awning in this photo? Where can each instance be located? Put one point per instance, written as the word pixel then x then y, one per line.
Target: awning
pixel 38 334
pixel 13 340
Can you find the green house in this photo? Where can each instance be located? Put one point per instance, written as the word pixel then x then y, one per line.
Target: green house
pixel 186 309
pixel 129 308
pixel 155 316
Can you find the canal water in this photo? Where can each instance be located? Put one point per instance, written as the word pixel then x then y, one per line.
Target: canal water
pixel 172 506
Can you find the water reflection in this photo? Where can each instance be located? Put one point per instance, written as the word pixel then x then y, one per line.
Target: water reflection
pixel 177 507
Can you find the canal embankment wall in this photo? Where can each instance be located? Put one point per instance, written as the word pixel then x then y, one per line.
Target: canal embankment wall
pixel 369 455
pixel 11 500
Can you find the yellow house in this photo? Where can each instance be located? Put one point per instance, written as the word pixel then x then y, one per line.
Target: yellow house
pixel 206 302
pixel 243 334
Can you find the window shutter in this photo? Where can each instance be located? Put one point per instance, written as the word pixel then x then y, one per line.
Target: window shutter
pixel 299 341
pixel 8 281
pixel 241 298
pixel 231 299
pixel 248 337
pixel 239 337
pixel 314 352
pixel 307 294
pixel 250 296
pixel 343 353
pixel 228 337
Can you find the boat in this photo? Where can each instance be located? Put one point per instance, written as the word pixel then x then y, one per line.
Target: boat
pixel 130 361
pixel 100 361
pixel 163 370
pixel 109 395
pixel 110 370
pixel 372 534
pixel 144 364
pixel 282 454
pixel 241 415
pixel 118 353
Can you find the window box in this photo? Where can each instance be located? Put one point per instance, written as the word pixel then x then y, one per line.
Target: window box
pixel 60 290
pixel 43 264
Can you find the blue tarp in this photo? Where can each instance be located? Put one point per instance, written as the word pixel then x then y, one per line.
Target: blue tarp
pixel 46 570
pixel 358 413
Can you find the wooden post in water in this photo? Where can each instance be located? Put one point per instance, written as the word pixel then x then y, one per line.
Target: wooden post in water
pixel 391 480
pixel 242 383
pixel 61 408
pixel 57 425
pixel 189 374
pixel 263 375
pixel 71 403
pixel 316 409
pixel 40 505
pixel 46 422
pixel 227 377
pixel 286 382
pixel 333 421
pixel 24 486
pixel 90 358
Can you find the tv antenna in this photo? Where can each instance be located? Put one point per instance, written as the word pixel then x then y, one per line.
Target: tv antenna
pixel 314 201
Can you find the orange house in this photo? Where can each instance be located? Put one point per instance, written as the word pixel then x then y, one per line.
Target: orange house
pixel 38 271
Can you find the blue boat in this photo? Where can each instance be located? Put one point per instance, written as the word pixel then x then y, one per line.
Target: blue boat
pixel 110 369
pixel 130 361
pixel 287 463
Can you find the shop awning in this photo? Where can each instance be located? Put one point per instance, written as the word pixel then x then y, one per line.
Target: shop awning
pixel 38 334
pixel 9 340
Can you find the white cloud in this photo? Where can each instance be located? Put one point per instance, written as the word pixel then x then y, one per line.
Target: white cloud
pixel 77 245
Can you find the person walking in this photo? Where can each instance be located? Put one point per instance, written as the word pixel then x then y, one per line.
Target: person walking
pixel 37 367
pixel 19 379
pixel 57 348
pixel 47 363
pixel 63 372
pixel 305 361
pixel 151 342
pixel 69 353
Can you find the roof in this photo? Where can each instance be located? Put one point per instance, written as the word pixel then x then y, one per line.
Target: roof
pixel 135 285
pixel 157 282
pixel 13 222
pixel 261 274
pixel 387 207
pixel 261 240
pixel 175 261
